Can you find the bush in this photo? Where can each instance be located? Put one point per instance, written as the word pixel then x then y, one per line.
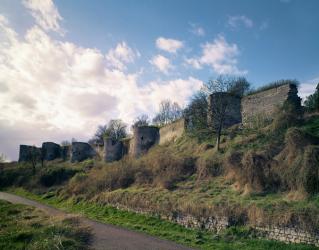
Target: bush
pixel 56 176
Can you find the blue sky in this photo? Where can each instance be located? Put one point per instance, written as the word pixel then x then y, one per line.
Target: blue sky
pixel 67 66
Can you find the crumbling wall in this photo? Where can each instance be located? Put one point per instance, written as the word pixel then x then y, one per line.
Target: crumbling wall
pixel 171 131
pixel 81 151
pixel 51 151
pixel 65 152
pixel 27 153
pixel 262 105
pixel 144 138
pixel 113 150
pixel 232 113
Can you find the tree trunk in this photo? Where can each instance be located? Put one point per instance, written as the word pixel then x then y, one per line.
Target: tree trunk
pixel 218 136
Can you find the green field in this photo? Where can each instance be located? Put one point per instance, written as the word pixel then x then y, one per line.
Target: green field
pixel 23 227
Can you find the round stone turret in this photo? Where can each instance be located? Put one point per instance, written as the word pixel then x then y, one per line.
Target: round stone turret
pixel 113 150
pixel 81 151
pixel 144 138
pixel 50 151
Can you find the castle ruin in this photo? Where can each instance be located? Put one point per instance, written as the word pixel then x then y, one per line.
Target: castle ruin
pixel 260 105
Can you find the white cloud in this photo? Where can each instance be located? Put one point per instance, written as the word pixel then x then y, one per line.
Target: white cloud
pixel 53 90
pixel 169 45
pixel 237 21
pixel 197 30
pixel 220 55
pixel 162 63
pixel 195 63
pixel 45 14
pixel 307 88
pixel 121 55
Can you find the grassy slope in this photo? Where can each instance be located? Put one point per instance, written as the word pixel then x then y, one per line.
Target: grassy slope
pixel 23 227
pixel 191 193
pixel 233 238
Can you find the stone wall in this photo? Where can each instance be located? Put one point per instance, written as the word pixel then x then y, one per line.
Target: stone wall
pixel 144 138
pixel 26 153
pixel 65 152
pixel 113 150
pixel 81 151
pixel 262 105
pixel 216 224
pixel 232 113
pixel 289 235
pixel 51 151
pixel 171 131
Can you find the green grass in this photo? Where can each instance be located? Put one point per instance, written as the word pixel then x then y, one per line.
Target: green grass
pixel 232 239
pixel 23 227
pixel 312 126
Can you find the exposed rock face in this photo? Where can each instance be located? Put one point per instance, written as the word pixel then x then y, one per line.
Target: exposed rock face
pixel 113 150
pixel 262 105
pixel 27 153
pixel 81 151
pixel 144 138
pixel 50 151
pixel 171 131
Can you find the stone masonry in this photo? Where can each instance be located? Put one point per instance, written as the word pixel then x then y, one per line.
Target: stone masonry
pixel 171 131
pixel 50 151
pixel 144 138
pixel 262 105
pixel 81 151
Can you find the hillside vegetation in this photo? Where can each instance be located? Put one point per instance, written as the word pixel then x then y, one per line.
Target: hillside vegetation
pixel 266 174
pixel 23 227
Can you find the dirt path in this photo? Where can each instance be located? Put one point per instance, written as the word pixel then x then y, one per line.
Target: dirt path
pixel 105 236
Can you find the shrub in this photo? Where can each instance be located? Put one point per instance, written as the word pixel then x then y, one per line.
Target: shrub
pixel 56 176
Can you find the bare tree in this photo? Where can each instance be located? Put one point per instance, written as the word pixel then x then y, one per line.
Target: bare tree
pixel 223 85
pixel 34 156
pixel 142 120
pixel 196 111
pixel 65 143
pixel 116 129
pixel 168 113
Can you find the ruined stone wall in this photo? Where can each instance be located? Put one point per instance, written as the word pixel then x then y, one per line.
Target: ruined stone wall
pixel 144 138
pixel 51 151
pixel 81 151
pixel 26 153
pixel 65 152
pixel 287 234
pixel 232 113
pixel 262 105
pixel 171 131
pixel 113 150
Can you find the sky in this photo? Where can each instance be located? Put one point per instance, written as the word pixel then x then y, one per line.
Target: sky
pixel 68 66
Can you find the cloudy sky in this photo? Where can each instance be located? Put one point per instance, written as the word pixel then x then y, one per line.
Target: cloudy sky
pixel 68 66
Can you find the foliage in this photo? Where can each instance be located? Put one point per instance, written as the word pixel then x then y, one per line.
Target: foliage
pixel 55 176
pixel 196 112
pixel 312 101
pixel 140 121
pixel 65 143
pixel 155 226
pixel 23 227
pixel 271 85
pixel 115 129
pixel 168 112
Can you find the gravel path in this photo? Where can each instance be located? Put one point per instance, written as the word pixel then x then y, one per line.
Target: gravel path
pixel 105 236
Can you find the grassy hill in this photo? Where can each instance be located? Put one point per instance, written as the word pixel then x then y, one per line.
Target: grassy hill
pixel 264 175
